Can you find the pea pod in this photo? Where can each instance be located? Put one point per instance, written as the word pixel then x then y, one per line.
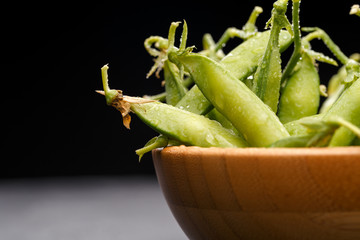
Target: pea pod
pixel 172 122
pixel 301 96
pixel 174 87
pixel 243 60
pixel 249 115
pixel 346 107
pixel 267 77
pixel 342 79
pixel 297 42
pixel 185 126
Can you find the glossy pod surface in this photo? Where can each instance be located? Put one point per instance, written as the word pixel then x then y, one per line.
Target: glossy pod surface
pixel 258 193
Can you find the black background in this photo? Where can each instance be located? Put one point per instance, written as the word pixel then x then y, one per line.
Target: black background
pixel 53 122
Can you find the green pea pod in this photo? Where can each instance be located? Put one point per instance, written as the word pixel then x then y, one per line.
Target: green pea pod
pixel 193 101
pixel 267 78
pixel 249 115
pixel 172 122
pixel 343 79
pixel 243 60
pixel 185 126
pixel 346 107
pixel 301 96
pixel 174 87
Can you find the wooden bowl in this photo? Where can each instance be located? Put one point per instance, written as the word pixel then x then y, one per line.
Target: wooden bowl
pixel 258 193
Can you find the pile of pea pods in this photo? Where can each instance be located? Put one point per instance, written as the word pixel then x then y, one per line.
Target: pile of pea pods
pixel 245 98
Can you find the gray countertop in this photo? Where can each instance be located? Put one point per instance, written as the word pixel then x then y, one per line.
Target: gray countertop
pixel 86 208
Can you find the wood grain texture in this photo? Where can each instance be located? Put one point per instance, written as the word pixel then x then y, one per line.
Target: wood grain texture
pixel 257 193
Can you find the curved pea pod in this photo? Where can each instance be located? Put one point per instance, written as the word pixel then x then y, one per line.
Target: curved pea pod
pixel 340 81
pixel 346 107
pixel 267 78
pixel 174 87
pixel 193 101
pixel 301 96
pixel 232 98
pixel 243 60
pixel 186 127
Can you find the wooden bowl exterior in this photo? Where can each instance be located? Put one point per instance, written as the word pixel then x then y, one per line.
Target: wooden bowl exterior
pixel 257 193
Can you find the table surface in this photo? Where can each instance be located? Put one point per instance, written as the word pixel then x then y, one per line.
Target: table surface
pixel 85 208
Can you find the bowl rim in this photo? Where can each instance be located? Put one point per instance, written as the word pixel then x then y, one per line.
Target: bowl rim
pixel 315 151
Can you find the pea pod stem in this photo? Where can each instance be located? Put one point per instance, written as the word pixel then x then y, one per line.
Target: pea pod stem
pixel 159 42
pixel 171 36
pixel 110 94
pixel 209 48
pixel 248 30
pixel 183 39
pixel 318 33
pixel 297 42
pixel 250 25
pixel 229 33
pixel 352 127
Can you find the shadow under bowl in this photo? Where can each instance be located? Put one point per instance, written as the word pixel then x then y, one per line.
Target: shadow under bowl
pixel 260 193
